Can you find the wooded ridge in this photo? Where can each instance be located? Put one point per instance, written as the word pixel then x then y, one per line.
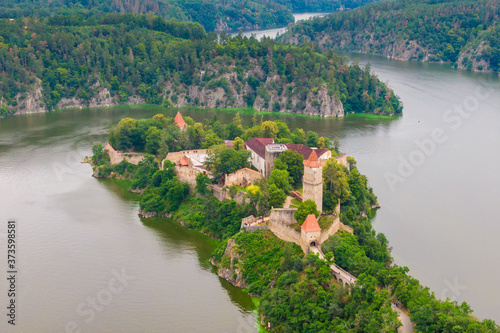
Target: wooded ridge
pixel 213 15
pixel 465 33
pixel 68 61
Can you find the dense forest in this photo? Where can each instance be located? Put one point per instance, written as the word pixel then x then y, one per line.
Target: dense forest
pixel 213 15
pixel 69 61
pixel 465 33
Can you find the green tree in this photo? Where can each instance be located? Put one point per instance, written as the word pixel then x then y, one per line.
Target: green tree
pixel 269 129
pixel 153 140
pixel 222 161
pixel 335 184
pixel 124 135
pixel 202 181
pixel 281 179
pixel 176 194
pixel 293 162
pixel 299 136
pixel 306 208
pixel 312 139
pixel 277 196
pixel 238 144
pixel 211 139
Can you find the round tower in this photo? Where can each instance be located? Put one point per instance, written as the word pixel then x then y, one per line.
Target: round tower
pixel 313 180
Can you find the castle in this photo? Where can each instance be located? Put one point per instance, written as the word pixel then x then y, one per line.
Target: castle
pixel 264 151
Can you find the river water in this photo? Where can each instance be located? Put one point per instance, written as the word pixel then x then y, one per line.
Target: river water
pixel 76 234
pixel 273 33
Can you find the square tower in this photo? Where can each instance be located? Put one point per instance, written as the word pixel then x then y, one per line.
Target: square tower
pixel 313 180
pixel 273 151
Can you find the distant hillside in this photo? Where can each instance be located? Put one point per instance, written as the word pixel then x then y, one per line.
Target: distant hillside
pixel 67 61
pixel 214 15
pixel 463 32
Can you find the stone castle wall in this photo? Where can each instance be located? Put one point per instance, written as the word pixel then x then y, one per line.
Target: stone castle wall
pixel 342 159
pixel 116 157
pixel 283 215
pixel 242 177
pixel 346 228
pixel 330 231
pixel 174 157
pixel 284 232
pixel 222 193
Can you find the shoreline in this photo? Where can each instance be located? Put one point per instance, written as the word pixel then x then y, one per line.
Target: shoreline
pixel 241 110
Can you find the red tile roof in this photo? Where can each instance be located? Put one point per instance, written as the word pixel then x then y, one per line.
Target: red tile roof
pixel 249 170
pixel 109 147
pixel 312 161
pixel 179 121
pixel 310 224
pixel 258 145
pixel 183 162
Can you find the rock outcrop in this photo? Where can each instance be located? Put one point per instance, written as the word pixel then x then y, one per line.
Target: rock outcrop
pixel 225 89
pixel 230 271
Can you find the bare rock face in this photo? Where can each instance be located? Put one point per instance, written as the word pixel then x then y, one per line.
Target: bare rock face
pixel 225 89
pixel 469 59
pixel 148 215
pixel 221 26
pixel 317 103
pixel 33 103
pixel 233 273
pixel 102 97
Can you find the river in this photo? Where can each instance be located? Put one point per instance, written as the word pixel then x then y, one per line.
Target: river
pixel 77 234
pixel 273 33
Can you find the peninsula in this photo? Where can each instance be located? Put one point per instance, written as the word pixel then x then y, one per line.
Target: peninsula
pixel 292 216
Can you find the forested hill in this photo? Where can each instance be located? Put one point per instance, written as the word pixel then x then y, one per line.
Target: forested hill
pixel 462 32
pixel 214 15
pixel 68 61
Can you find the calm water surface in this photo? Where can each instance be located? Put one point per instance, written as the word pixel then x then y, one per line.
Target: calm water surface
pixel 76 233
pixel 273 33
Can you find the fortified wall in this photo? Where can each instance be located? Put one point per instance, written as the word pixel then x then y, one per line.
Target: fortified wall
pixel 222 193
pixel 248 224
pixel 174 157
pixel 116 157
pixel 283 215
pixel 242 177
pixel 284 232
pixel 342 159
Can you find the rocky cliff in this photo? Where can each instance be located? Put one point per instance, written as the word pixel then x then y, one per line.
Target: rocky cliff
pixel 225 89
pixel 466 35
pixel 229 268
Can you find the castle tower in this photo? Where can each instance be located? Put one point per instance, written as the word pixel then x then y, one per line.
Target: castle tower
pixel 313 180
pixel 179 121
pixel 273 151
pixel 311 231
